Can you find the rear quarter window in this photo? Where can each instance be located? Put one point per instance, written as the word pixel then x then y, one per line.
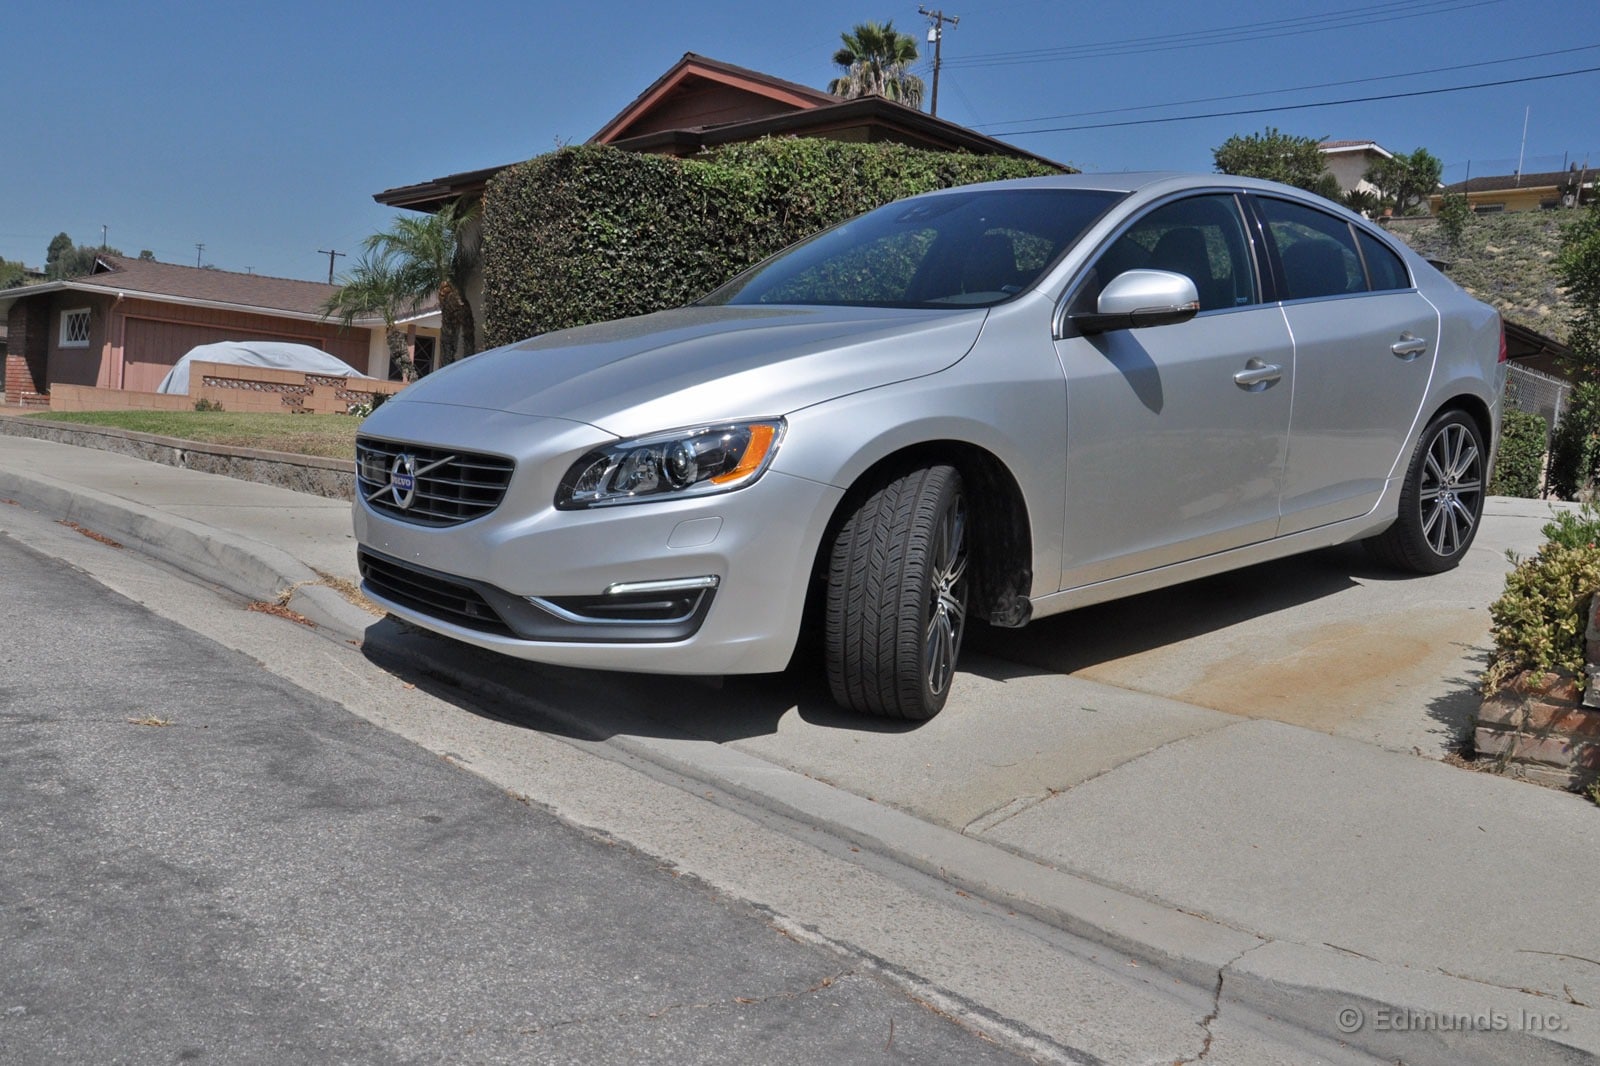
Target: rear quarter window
pixel 1386 271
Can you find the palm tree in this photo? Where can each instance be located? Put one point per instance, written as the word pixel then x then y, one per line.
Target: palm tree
pixel 876 59
pixel 374 286
pixel 432 256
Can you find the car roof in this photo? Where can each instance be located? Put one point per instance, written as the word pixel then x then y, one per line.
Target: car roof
pixel 1137 181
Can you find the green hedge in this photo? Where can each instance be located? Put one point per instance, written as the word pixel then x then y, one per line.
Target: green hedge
pixel 591 233
pixel 1519 468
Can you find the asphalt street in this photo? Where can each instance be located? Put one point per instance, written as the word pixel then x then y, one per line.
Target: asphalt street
pixel 201 862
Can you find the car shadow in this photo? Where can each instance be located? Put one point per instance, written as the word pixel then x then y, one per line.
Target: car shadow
pixel 594 705
pixel 1089 636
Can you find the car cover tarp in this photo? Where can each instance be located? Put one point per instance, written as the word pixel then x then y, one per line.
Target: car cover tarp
pixel 277 355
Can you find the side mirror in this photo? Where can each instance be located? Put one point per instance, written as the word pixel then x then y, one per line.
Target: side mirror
pixel 1138 298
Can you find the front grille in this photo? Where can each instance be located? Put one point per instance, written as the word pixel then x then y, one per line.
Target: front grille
pixel 451 486
pixel 430 594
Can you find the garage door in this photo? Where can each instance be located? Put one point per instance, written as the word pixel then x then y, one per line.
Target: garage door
pixel 150 348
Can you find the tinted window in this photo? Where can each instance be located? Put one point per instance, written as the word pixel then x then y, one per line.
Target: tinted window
pixel 1202 238
pixel 1317 250
pixel 1385 269
pixel 962 249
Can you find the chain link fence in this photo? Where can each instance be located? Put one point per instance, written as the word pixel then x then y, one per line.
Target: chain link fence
pixel 1537 393
pixel 1543 395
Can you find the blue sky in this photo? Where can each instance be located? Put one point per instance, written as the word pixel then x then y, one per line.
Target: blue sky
pixel 262 130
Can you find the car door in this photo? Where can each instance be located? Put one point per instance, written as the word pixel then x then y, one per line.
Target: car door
pixel 1364 346
pixel 1176 434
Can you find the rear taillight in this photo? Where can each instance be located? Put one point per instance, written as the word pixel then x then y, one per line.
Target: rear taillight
pixel 1502 339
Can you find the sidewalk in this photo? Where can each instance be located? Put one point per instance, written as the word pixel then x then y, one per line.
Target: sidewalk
pixel 1417 911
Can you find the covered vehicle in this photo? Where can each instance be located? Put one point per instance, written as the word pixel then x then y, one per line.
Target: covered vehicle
pixel 276 355
pixel 1009 399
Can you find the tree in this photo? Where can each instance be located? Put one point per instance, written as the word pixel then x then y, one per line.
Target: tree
pixel 1578 267
pixel 11 274
pixel 432 257
pixel 60 245
pixel 876 60
pixel 63 259
pixel 374 286
pixel 1277 156
pixel 1406 181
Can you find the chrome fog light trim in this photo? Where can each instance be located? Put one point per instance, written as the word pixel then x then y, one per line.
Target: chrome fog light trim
pixel 686 584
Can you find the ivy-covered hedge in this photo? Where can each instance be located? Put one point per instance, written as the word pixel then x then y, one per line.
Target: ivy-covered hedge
pixel 591 233
pixel 1519 467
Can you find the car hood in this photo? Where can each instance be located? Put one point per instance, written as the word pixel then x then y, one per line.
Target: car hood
pixel 699 364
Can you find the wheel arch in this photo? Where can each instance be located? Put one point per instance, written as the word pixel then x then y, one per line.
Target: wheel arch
pixel 1003 532
pixel 1474 408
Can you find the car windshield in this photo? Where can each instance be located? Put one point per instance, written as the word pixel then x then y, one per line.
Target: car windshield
pixel 960 249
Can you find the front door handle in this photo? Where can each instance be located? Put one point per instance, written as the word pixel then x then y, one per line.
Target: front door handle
pixel 1409 346
pixel 1257 375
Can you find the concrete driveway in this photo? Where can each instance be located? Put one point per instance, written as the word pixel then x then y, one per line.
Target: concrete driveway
pixel 1329 641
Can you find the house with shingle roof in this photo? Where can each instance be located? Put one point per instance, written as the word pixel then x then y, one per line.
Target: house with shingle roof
pixel 1348 161
pixel 1573 187
pixel 702 103
pixel 126 323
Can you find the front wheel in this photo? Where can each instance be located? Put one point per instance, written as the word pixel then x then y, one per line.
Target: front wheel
pixel 897 596
pixel 1441 501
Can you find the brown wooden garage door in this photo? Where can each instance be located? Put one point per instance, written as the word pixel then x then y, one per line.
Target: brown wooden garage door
pixel 151 347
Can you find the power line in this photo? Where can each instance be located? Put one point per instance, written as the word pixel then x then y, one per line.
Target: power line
pixel 1305 107
pixel 1256 31
pixel 1293 89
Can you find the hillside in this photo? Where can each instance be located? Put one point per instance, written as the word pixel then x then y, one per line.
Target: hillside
pixel 1505 260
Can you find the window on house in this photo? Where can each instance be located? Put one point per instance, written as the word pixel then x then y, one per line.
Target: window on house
pixel 75 328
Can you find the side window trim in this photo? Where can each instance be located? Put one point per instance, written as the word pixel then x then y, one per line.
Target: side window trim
pixel 1280 287
pixel 1250 228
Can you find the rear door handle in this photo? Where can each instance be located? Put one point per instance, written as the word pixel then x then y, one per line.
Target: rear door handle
pixel 1409 346
pixel 1257 375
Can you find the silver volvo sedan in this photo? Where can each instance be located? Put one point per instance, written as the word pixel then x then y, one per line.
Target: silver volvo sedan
pixel 1002 401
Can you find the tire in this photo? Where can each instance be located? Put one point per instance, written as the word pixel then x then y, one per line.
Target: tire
pixel 897 596
pixel 1441 500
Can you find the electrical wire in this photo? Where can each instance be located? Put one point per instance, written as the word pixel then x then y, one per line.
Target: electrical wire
pixel 1306 107
pixel 1275 92
pixel 1251 32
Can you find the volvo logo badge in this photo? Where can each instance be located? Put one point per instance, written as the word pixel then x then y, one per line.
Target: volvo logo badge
pixel 403 480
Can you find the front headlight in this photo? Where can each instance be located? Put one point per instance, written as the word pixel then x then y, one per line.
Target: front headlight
pixel 684 462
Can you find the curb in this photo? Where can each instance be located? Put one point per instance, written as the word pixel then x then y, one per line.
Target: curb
pixel 247 568
pixel 333 478
pixel 1401 1012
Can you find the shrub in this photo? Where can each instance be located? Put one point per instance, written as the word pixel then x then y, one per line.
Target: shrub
pixel 592 233
pixel 1540 618
pixel 1519 468
pixel 1575 448
pixel 208 405
pixel 1455 212
pixel 1574 529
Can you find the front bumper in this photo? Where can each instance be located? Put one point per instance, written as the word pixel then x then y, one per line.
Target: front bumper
pixel 537 579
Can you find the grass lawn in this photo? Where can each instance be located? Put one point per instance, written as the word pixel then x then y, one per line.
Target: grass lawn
pixel 329 436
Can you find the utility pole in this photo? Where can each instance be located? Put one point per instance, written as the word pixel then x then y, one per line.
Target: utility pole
pixel 330 256
pixel 937 20
pixel 199 249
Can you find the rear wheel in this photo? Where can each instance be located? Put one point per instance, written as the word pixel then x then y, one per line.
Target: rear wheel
pixel 897 596
pixel 1441 501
